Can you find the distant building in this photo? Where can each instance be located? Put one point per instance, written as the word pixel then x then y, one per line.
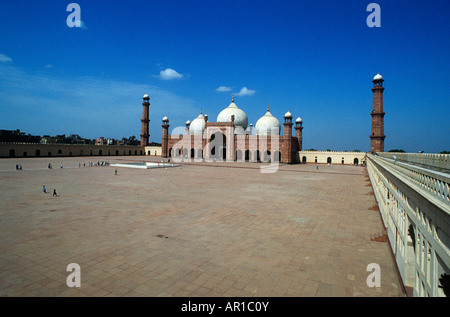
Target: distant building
pixel 17 136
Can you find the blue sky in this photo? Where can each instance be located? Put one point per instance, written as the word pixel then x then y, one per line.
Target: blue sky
pixel 313 58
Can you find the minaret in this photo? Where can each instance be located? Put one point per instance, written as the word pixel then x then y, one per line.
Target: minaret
pixel 377 134
pixel 286 153
pixel 165 137
pixel 144 130
pixel 298 132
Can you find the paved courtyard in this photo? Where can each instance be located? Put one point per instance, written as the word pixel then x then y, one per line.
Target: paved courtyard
pixel 223 229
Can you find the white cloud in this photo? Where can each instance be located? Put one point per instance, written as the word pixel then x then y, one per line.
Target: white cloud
pixel 169 74
pixel 86 105
pixel 48 66
pixel 223 89
pixel 5 59
pixel 245 92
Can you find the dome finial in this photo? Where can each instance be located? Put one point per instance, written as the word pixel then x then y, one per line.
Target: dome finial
pixel 200 110
pixel 232 97
pixel 267 108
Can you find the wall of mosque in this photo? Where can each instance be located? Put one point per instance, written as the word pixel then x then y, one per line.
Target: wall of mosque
pixel 153 150
pixel 58 150
pixel 332 157
pixel 244 147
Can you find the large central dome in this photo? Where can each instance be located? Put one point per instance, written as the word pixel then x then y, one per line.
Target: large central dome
pixel 240 118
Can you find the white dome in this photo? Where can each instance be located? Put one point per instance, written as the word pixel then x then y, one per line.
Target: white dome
pixel 378 77
pixel 288 115
pixel 197 125
pixel 165 119
pixel 266 123
pixel 299 120
pixel 240 118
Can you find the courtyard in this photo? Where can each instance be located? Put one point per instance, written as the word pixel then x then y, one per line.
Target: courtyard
pixel 202 229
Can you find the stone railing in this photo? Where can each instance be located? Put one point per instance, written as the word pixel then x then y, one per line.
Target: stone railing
pixel 414 204
pixel 427 160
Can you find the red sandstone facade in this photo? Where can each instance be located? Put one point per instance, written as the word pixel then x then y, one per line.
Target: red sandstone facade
pixel 377 134
pixel 219 142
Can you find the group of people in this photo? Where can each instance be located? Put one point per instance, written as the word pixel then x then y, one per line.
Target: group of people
pixel 44 190
pixel 98 163
pixel 18 167
pixel 50 165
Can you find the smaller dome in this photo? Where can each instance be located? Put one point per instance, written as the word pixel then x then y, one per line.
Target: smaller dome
pixel 378 77
pixel 146 97
pixel 267 124
pixel 288 115
pixel 299 120
pixel 165 119
pixel 197 125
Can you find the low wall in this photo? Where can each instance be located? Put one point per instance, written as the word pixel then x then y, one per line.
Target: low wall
pixel 49 150
pixel 332 157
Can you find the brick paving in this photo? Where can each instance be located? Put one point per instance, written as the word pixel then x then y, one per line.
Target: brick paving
pixel 222 229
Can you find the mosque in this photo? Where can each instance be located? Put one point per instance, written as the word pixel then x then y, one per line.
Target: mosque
pixel 230 138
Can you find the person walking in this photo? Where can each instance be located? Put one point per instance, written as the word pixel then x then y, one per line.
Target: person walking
pixel 54 193
pixel 43 189
pixel 115 172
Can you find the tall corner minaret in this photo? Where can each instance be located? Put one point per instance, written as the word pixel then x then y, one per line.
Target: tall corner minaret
pixel 286 154
pixel 377 134
pixel 298 132
pixel 165 137
pixel 145 121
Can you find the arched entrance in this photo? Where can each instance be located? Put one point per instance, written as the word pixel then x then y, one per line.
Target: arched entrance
pixel 247 156
pixel 218 146
pixel 25 154
pixel 12 153
pixel 329 160
pixel 356 161
pixel 266 157
pixel 304 159
pixel 239 155
pixel 277 156
pixel 192 153
pixel 258 156
pixel 100 152
pixel 38 153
